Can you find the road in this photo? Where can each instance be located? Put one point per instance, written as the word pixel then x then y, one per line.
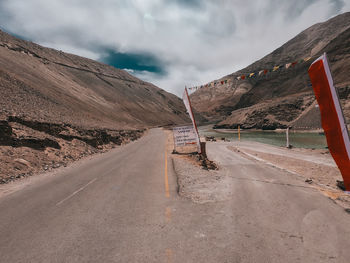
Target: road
pixel 123 206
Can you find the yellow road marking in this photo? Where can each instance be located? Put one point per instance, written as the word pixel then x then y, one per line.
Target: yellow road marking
pixel 169 255
pixel 167 193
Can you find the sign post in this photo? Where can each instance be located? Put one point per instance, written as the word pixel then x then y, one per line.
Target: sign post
pixel 239 133
pixel 332 117
pixel 187 102
pixel 184 136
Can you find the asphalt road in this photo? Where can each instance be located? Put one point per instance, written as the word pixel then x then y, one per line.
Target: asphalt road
pixel 123 206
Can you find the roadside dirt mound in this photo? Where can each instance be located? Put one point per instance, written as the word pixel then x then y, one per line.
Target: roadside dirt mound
pixel 28 147
pixel 198 184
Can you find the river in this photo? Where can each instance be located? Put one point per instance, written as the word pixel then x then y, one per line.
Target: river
pixel 310 140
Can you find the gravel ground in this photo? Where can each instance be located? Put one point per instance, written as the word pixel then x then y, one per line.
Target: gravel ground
pixel 198 184
pixel 315 167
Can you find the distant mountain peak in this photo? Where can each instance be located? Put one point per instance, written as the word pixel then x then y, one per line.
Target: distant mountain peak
pixel 260 102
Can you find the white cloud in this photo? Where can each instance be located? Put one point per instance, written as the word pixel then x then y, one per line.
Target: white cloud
pixel 346 7
pixel 197 40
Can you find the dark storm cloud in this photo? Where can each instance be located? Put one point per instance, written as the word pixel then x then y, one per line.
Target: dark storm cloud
pixel 135 62
pixel 191 3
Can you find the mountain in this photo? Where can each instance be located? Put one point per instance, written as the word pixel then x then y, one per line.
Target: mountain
pixel 44 84
pixel 285 97
pixel 57 107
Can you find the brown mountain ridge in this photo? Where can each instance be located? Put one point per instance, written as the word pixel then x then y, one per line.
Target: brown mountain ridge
pixel 285 97
pixel 44 84
pixel 57 107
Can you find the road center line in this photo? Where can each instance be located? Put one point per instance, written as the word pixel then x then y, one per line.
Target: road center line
pixel 169 255
pixel 75 192
pixel 167 193
pixel 168 214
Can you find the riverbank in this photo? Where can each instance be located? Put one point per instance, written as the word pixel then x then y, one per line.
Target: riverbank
pixel 311 139
pixel 235 131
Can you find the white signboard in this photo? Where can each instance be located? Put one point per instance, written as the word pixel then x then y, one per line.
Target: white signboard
pixel 184 136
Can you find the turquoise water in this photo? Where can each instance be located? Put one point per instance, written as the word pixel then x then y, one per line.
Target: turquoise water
pixel 311 140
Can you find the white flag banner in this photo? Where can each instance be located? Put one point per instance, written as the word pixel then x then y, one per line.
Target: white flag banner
pixel 187 103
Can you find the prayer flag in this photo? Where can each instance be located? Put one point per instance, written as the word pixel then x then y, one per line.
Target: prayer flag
pixel 288 65
pixel 251 75
pixel 243 77
pixel 261 72
pixel 275 68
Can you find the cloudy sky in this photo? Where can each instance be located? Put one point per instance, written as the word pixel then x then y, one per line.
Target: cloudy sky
pixel 171 43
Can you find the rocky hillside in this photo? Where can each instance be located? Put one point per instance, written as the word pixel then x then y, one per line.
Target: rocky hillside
pixel 284 97
pixel 44 84
pixel 57 107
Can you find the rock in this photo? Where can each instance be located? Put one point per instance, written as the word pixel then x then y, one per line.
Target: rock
pixel 308 180
pixel 5 129
pixel 341 185
pixel 210 139
pixel 22 161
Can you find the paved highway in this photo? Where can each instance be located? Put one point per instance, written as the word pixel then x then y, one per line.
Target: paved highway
pixel 123 206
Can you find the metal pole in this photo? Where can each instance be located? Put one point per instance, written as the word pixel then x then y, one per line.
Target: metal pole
pixel 174 151
pixel 287 137
pixel 239 133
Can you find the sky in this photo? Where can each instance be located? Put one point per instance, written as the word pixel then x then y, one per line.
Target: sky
pixel 170 43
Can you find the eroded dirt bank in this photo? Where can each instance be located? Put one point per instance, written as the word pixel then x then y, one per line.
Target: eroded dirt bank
pixel 28 147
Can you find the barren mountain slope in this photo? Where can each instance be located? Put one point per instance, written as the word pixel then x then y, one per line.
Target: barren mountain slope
pixel 282 98
pixel 56 108
pixel 48 85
